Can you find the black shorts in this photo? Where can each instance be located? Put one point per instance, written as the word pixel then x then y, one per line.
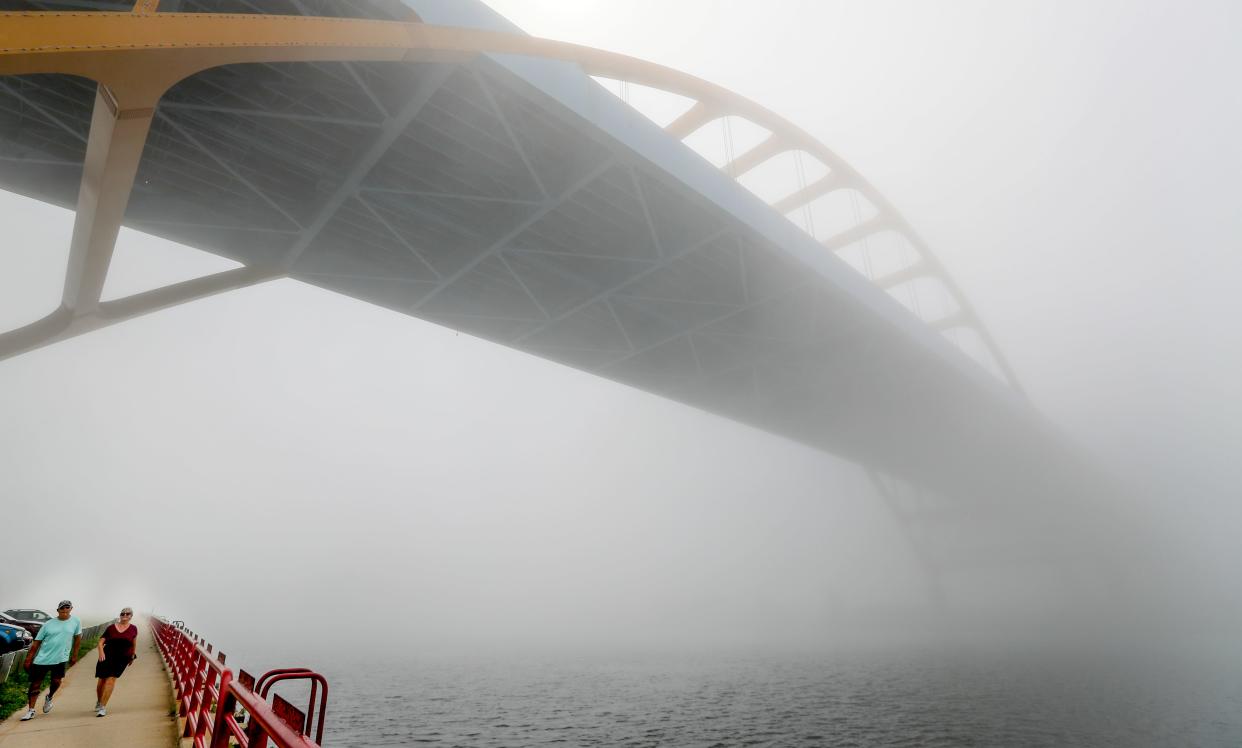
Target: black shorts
pixel 111 667
pixel 39 672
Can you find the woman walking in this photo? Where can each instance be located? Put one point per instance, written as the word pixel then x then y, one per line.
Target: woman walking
pixel 116 651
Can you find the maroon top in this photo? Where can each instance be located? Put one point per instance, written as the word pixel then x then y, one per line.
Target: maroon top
pixel 119 643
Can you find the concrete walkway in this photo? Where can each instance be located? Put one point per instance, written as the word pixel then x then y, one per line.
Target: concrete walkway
pixel 138 715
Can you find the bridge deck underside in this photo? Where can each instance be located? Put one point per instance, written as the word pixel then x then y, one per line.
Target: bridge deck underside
pixel 458 194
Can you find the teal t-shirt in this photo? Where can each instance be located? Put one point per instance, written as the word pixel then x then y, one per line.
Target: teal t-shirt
pixel 57 637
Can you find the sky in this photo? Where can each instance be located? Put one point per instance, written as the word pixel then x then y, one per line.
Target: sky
pixel 281 451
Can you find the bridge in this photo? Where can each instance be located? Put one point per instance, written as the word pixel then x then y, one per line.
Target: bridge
pixel 427 157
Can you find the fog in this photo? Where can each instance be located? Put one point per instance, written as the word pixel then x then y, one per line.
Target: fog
pixel 281 453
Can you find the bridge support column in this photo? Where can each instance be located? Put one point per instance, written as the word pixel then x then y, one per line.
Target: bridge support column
pixel 119 128
pixel 117 138
pixel 931 570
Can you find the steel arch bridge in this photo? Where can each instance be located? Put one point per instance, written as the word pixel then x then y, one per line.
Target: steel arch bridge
pixel 426 157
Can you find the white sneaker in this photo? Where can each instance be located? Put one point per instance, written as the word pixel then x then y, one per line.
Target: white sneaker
pixel 101 712
pixel 29 714
pixel 47 705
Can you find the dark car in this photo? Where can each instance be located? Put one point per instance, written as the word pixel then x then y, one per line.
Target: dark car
pixel 31 626
pixel 29 615
pixel 13 638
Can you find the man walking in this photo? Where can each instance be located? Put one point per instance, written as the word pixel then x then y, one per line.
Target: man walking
pixel 56 643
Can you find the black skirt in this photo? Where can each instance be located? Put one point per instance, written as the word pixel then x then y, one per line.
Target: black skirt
pixel 111 667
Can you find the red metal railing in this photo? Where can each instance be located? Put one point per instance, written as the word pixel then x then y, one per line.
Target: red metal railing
pixel 208 696
pixel 272 677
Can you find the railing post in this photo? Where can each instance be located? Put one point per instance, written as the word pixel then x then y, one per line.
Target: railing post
pixel 179 654
pixel 204 706
pixel 196 683
pixel 224 707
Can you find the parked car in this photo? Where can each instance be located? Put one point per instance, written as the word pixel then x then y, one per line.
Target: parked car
pixel 13 638
pixel 28 614
pixel 31 626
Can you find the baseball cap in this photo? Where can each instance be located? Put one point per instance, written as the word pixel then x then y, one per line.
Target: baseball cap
pixel 64 604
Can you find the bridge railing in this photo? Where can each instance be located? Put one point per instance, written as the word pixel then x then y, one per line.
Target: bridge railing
pixel 208 695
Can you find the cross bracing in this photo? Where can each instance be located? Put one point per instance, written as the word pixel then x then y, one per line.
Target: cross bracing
pixel 518 206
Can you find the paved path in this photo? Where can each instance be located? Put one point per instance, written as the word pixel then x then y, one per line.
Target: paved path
pixel 138 716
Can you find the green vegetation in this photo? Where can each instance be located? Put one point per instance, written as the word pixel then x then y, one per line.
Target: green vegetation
pixel 13 691
pixel 87 646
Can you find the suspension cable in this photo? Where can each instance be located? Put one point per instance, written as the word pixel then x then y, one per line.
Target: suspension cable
pixel 866 244
pixel 808 215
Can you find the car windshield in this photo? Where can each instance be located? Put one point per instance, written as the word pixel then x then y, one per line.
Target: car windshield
pixel 38 615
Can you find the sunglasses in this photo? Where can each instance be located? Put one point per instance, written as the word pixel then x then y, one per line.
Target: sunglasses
pixel 123 615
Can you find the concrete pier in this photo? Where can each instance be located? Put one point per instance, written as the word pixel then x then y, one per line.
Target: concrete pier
pixel 140 714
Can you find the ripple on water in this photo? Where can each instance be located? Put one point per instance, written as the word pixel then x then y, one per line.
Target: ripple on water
pixel 753 702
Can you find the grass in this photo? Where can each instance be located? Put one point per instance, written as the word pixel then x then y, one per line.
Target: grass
pixel 13 691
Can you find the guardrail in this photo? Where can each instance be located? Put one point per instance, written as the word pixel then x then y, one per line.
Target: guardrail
pixel 11 662
pixel 208 696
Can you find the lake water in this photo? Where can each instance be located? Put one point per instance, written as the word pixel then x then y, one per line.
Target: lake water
pixel 1036 699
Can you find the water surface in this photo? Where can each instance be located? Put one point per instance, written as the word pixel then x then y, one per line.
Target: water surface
pixel 1006 699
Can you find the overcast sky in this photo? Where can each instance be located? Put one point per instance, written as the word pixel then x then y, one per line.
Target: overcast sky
pixel 1075 165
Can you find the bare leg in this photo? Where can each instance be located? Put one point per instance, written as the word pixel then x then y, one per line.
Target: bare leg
pixel 56 679
pixel 108 685
pixel 99 689
pixel 32 693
